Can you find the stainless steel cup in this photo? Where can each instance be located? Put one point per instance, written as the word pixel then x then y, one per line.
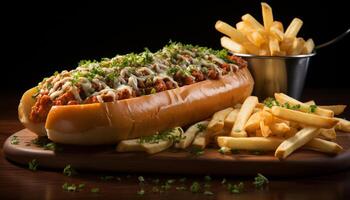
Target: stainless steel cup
pixel 278 74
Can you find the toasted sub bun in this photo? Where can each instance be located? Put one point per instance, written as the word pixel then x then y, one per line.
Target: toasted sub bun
pixel 24 109
pixel 108 123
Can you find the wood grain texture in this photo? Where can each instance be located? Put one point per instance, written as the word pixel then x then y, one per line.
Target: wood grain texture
pixel 17 182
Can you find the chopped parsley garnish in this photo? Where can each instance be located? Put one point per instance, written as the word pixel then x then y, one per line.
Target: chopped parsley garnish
pixel 236 188
pixel 312 108
pixel 224 150
pixel 222 54
pixel 33 165
pixel 269 102
pixel 69 187
pixel 196 151
pixel 73 187
pixel 201 127
pixel 14 140
pixel 195 187
pixel 50 146
pixel 153 91
pixel 172 70
pixel 163 136
pixel 95 190
pixel 69 171
pixel 204 70
pixel 260 180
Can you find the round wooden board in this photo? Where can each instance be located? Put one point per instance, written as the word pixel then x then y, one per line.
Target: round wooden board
pixel 105 158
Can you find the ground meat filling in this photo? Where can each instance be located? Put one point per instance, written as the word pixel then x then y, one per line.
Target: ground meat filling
pixel 132 75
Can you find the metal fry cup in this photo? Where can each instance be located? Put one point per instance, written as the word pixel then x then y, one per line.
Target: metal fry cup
pixel 278 74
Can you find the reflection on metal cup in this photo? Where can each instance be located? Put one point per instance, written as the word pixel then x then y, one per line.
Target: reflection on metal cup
pixel 278 74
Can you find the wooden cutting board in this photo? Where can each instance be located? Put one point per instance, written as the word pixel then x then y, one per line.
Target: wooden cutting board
pixel 105 158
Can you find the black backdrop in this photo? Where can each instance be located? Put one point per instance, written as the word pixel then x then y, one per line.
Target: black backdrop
pixel 40 38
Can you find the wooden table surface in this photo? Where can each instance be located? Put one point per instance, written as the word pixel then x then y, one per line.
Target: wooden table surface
pixel 17 182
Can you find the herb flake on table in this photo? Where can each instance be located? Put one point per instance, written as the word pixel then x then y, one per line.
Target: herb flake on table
pixel 195 187
pixel 260 181
pixel 69 171
pixel 235 188
pixel 33 165
pixel 196 151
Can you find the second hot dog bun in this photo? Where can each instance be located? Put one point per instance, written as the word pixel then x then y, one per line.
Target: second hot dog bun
pixel 24 108
pixel 108 123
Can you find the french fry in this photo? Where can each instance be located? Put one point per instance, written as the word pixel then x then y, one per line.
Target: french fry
pixel 253 122
pixel 343 125
pixel 283 98
pixel 217 122
pixel 278 25
pixel 293 28
pixel 337 109
pixel 252 21
pixel 202 139
pixel 279 129
pixel 152 148
pixel 304 118
pixel 286 44
pixel 230 31
pixel 328 134
pixel 257 38
pixel 249 143
pixel 276 33
pixel 291 132
pixel 297 46
pixel 231 118
pixel 244 28
pixel 129 145
pixel 267 16
pixel 274 46
pixel 243 116
pixel 324 146
pixel 311 102
pixel 308 46
pixel 299 139
pixel 232 45
pixel 271 144
pixel 265 130
pixel 190 134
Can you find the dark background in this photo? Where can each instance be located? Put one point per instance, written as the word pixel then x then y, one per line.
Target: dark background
pixel 40 38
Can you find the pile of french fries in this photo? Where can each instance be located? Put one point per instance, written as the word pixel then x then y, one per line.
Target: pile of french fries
pixel 283 126
pixel 268 39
